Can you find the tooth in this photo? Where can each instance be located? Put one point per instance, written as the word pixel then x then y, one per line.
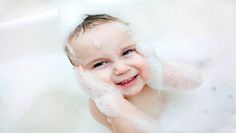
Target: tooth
pixel 126 81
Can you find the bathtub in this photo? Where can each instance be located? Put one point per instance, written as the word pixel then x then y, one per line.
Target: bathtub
pixel 39 92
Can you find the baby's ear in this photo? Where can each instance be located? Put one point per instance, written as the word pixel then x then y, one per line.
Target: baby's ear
pixel 76 67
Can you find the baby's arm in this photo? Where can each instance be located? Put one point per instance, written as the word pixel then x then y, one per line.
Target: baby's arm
pixel 180 76
pixel 131 120
pixel 169 74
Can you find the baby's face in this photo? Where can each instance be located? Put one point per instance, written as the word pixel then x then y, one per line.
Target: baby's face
pixel 109 51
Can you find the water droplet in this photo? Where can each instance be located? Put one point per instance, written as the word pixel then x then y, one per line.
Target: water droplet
pixel 213 88
pixel 205 111
pixel 230 96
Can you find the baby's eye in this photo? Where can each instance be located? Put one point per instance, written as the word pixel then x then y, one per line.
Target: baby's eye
pixel 128 52
pixel 99 64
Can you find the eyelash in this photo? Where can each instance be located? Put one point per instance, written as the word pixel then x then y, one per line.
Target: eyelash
pixel 128 52
pixel 99 64
pixel 104 62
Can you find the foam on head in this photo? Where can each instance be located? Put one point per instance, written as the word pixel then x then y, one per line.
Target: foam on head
pixel 96 44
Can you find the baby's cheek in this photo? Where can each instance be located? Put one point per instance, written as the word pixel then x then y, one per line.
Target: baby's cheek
pixel 145 71
pixel 142 66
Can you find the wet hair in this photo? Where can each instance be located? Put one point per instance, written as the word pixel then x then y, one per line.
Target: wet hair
pixel 89 22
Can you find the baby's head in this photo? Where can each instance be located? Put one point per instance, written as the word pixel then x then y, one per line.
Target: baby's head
pixel 104 45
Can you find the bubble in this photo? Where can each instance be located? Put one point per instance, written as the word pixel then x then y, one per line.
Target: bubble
pixel 213 88
pixel 230 96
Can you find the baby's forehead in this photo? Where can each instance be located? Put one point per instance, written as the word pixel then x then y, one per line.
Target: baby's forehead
pixel 105 33
pixel 98 42
pixel 113 27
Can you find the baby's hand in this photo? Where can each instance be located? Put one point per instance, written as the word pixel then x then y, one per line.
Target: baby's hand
pixel 107 98
pixel 171 74
pixel 156 65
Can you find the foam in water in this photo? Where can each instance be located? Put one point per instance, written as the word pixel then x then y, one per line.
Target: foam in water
pixel 206 40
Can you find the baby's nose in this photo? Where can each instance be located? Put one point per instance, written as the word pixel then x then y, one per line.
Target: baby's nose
pixel 121 68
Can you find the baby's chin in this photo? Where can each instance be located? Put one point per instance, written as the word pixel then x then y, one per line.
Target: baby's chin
pixel 132 92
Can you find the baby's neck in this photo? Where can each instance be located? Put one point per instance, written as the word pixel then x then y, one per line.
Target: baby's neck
pixel 149 101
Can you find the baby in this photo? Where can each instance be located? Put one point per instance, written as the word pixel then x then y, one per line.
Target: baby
pixel 123 76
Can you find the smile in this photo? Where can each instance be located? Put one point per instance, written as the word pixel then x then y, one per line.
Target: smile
pixel 128 82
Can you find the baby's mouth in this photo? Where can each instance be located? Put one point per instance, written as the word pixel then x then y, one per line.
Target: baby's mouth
pixel 127 81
